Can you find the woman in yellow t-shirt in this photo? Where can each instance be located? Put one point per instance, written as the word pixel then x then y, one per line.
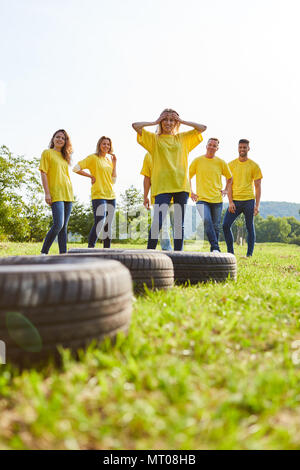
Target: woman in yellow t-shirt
pixel 103 175
pixel 58 188
pixel 169 178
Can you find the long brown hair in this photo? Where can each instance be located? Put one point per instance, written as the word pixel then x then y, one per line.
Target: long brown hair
pixel 176 129
pixel 67 149
pixel 98 150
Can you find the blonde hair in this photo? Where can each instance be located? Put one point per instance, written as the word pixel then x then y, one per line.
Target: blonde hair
pixel 98 150
pixel 176 129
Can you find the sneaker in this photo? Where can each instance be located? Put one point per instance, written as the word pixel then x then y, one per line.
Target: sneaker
pixel 216 251
pixel 43 254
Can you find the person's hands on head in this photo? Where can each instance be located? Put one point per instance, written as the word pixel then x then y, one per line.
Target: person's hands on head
pixel 162 116
pixel 176 116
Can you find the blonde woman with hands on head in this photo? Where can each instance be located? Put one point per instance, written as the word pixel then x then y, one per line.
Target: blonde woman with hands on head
pixel 169 179
pixel 54 168
pixel 103 174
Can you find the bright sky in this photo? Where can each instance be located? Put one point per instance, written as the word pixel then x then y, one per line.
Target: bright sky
pixel 93 67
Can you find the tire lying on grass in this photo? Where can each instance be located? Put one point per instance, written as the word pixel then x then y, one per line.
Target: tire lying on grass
pixel 95 250
pixel 194 266
pixel 155 270
pixel 197 267
pixel 47 301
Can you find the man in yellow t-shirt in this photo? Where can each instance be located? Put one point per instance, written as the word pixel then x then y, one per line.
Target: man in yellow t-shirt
pixel 164 236
pixel 246 174
pixel 209 170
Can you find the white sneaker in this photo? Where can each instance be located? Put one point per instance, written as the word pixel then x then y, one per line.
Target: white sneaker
pixel 43 254
pixel 216 251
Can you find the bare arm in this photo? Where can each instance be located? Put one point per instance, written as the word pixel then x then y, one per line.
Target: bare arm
pixel 194 196
pixel 199 127
pixel 77 170
pixel 228 184
pixel 147 185
pixel 138 126
pixel 46 188
pixel 231 206
pixel 114 163
pixel 257 184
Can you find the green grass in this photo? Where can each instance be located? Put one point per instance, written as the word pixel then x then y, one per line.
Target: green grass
pixel 204 367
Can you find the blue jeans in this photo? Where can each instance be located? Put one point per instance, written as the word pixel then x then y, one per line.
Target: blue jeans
pixel 210 213
pixel 161 206
pixel 164 235
pixel 61 211
pixel 246 208
pixel 103 210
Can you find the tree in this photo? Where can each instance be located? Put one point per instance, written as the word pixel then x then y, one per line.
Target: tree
pixel 131 201
pixel 39 218
pixel 20 197
pixel 131 204
pixel 238 228
pixel 295 227
pixel 272 229
pixel 81 220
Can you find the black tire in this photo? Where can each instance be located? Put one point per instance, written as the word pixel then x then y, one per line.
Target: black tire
pixel 95 250
pixel 154 270
pixel 197 267
pixel 46 301
pixel 194 266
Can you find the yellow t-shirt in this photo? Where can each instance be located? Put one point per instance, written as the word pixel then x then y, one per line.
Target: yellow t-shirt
pixel 244 174
pixel 146 171
pixel 57 171
pixel 147 165
pixel 101 168
pixel 209 173
pixel 170 159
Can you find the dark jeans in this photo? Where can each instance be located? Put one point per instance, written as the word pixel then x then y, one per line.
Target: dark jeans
pixel 104 210
pixel 61 211
pixel 210 213
pixel 246 208
pixel 161 206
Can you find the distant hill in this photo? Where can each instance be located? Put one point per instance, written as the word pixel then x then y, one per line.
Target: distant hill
pixel 278 209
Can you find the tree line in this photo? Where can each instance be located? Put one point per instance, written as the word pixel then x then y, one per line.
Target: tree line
pixel 25 217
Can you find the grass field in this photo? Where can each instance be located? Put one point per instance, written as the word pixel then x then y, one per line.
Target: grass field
pixel 214 366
